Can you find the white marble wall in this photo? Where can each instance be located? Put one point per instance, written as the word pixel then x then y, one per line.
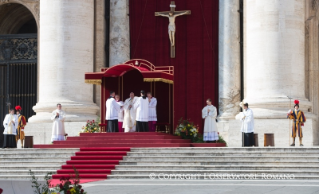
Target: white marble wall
pixel 65 54
pixel 229 59
pixel 119 32
pixel 275 56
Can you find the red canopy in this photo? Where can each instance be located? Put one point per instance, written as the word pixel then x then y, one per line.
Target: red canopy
pixel 149 72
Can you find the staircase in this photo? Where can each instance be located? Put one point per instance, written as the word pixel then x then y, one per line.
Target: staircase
pixel 16 163
pixel 297 163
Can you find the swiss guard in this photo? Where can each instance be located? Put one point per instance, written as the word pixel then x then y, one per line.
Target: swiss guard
pixel 21 124
pixel 299 119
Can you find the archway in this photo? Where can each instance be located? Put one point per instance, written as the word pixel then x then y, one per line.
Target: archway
pixel 18 59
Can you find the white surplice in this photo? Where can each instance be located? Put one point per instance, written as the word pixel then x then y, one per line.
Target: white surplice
pixel 247 120
pixel 141 107
pixel 129 123
pixel 10 124
pixel 152 110
pixel 121 111
pixel 210 126
pixel 58 130
pixel 112 109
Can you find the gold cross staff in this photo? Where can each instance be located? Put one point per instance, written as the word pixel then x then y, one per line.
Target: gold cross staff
pixel 172 14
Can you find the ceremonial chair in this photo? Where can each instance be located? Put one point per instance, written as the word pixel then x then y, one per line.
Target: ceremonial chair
pixel 103 128
pixel 166 125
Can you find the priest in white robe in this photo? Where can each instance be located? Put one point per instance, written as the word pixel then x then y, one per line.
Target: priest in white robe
pixel 121 113
pixel 58 130
pixel 152 116
pixel 10 124
pixel 141 107
pixel 112 113
pixel 129 123
pixel 247 126
pixel 209 113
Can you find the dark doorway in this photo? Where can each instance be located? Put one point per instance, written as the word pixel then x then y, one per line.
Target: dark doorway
pixel 18 60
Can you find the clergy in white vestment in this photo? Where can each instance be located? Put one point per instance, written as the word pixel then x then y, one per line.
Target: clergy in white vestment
pixel 121 113
pixel 152 117
pixel 141 107
pixel 247 125
pixel 10 124
pixel 58 130
pixel 129 123
pixel 112 113
pixel 209 113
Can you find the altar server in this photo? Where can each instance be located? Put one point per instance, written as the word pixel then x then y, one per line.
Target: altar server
pixel 152 117
pixel 22 122
pixel 141 107
pixel 112 113
pixel 121 113
pixel 10 124
pixel 58 130
pixel 209 113
pixel 129 122
pixel 247 126
pixel 299 119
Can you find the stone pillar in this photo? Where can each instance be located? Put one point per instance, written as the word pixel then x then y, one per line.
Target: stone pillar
pixel 229 59
pixel 66 53
pixel 119 32
pixel 275 51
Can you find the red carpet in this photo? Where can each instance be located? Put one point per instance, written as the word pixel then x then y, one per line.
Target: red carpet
pixel 118 140
pixel 55 182
pixel 91 163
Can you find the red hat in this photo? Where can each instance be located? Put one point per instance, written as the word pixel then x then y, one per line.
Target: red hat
pixel 18 107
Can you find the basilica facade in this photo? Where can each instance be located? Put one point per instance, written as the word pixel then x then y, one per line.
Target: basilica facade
pixel 259 51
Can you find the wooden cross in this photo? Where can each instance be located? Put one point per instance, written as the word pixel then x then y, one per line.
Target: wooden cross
pixel 172 14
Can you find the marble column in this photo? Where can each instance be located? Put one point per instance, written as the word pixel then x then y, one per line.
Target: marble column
pixel 275 56
pixel 66 53
pixel 119 32
pixel 229 59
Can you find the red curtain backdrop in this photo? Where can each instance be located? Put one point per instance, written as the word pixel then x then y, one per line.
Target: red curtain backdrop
pixel 196 62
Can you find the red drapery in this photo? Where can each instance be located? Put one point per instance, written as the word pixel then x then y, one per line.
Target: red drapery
pixel 196 62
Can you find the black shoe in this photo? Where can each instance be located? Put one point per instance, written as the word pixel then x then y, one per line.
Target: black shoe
pixel 301 144
pixel 292 144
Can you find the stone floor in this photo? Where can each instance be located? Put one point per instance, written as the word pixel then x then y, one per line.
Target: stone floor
pixel 183 187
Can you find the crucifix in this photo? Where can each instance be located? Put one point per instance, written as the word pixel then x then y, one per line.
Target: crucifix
pixel 172 14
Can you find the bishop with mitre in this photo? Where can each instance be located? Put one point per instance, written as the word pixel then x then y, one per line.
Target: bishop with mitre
pixel 129 123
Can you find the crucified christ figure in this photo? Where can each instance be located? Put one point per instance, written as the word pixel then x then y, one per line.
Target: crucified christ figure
pixel 171 26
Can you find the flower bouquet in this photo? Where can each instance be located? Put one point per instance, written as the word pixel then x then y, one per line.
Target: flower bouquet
pixel 186 129
pixel 91 127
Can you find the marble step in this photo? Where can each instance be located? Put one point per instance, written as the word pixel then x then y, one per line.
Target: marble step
pixel 229 154
pixel 32 166
pixel 26 172
pixel 221 159
pixel 192 163
pixel 227 149
pixel 217 167
pixel 31 163
pixel 21 177
pixel 44 155
pixel 202 172
pixel 212 178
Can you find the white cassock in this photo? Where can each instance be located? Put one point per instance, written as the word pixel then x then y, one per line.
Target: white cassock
pixel 58 130
pixel 247 126
pixel 210 127
pixel 10 124
pixel 141 107
pixel 247 121
pixel 129 123
pixel 121 111
pixel 152 110
pixel 112 115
